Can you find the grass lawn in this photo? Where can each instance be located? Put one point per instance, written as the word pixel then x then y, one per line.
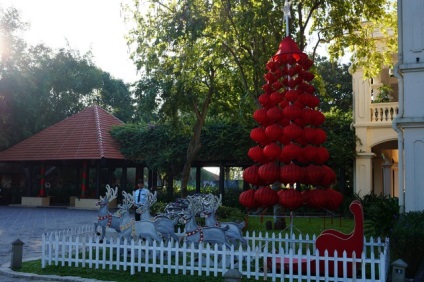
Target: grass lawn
pixel 304 225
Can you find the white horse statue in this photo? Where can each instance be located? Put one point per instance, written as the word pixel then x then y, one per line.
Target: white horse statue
pixel 143 229
pixel 197 234
pixel 105 219
pixel 234 231
pixel 163 224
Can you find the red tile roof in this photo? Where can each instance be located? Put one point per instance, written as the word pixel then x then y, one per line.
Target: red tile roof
pixel 84 135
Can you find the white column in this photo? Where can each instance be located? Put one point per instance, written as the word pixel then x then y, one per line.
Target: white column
pixel 363 174
pixel 387 177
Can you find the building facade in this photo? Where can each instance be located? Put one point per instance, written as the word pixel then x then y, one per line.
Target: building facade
pixel 390 129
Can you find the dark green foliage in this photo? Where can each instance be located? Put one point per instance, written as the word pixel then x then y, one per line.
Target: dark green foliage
pixel 407 240
pixel 231 199
pixel 381 213
pixel 157 208
pixel 229 214
pixel 160 147
pixel 341 146
pixel 163 147
pixel 225 141
pixel 335 85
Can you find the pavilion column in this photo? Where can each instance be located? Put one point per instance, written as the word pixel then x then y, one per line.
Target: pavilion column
pixel 29 172
pixel 221 180
pixel 98 171
pixel 41 191
pixel 124 178
pixel 84 179
pixel 198 178
pixel 139 173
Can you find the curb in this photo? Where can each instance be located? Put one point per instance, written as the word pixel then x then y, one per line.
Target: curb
pixel 5 270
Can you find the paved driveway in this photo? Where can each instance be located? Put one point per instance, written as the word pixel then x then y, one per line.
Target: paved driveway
pixel 28 225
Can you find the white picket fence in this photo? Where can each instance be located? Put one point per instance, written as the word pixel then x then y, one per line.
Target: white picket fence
pixel 259 260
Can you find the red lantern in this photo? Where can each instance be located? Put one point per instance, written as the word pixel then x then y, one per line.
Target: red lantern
pixel 292 131
pixel 284 104
pixel 258 135
pixel 309 134
pixel 318 118
pixel 270 77
pixel 250 175
pixel 284 139
pixel 307 75
pixel 271 66
pixel 273 131
pixel 292 83
pixel 274 114
pixel 299 122
pixel 291 173
pixel 278 73
pixel 269 173
pixel 305 195
pixel 290 152
pixel 320 136
pixel 277 85
pixel 304 98
pixel 247 199
pixel 334 199
pixel 308 115
pixel 292 112
pixel 267 88
pixel 313 174
pixel 266 196
pixel 291 95
pixel 313 102
pixel 260 116
pixel 264 100
pixel 284 122
pixel 328 176
pixel 317 198
pixel 309 153
pixel 306 63
pixel 290 198
pixel 256 154
pixel 322 155
pixel 276 97
pixel 272 151
pixel 310 89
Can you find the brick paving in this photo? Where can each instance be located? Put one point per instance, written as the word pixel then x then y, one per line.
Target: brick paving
pixel 28 224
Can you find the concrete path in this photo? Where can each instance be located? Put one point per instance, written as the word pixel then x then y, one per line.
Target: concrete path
pixel 28 224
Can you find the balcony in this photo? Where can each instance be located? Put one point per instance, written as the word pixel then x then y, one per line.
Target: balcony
pixel 383 113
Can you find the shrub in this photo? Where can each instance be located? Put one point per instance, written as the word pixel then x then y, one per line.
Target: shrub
pixel 406 240
pixel 380 213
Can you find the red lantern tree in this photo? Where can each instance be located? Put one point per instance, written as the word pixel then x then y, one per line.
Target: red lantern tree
pixel 289 135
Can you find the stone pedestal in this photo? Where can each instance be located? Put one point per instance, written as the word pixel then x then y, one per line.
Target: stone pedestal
pixel 83 203
pixel 35 201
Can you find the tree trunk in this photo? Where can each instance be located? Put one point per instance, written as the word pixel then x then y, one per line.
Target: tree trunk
pixel 195 144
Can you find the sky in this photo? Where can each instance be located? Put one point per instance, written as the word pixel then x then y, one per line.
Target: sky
pixel 95 25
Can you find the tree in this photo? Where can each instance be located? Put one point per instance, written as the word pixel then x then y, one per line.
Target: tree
pixel 334 85
pixel 198 53
pixel 40 86
pixel 341 141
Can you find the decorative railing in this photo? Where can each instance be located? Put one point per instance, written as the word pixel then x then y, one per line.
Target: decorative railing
pixel 384 112
pixel 266 255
